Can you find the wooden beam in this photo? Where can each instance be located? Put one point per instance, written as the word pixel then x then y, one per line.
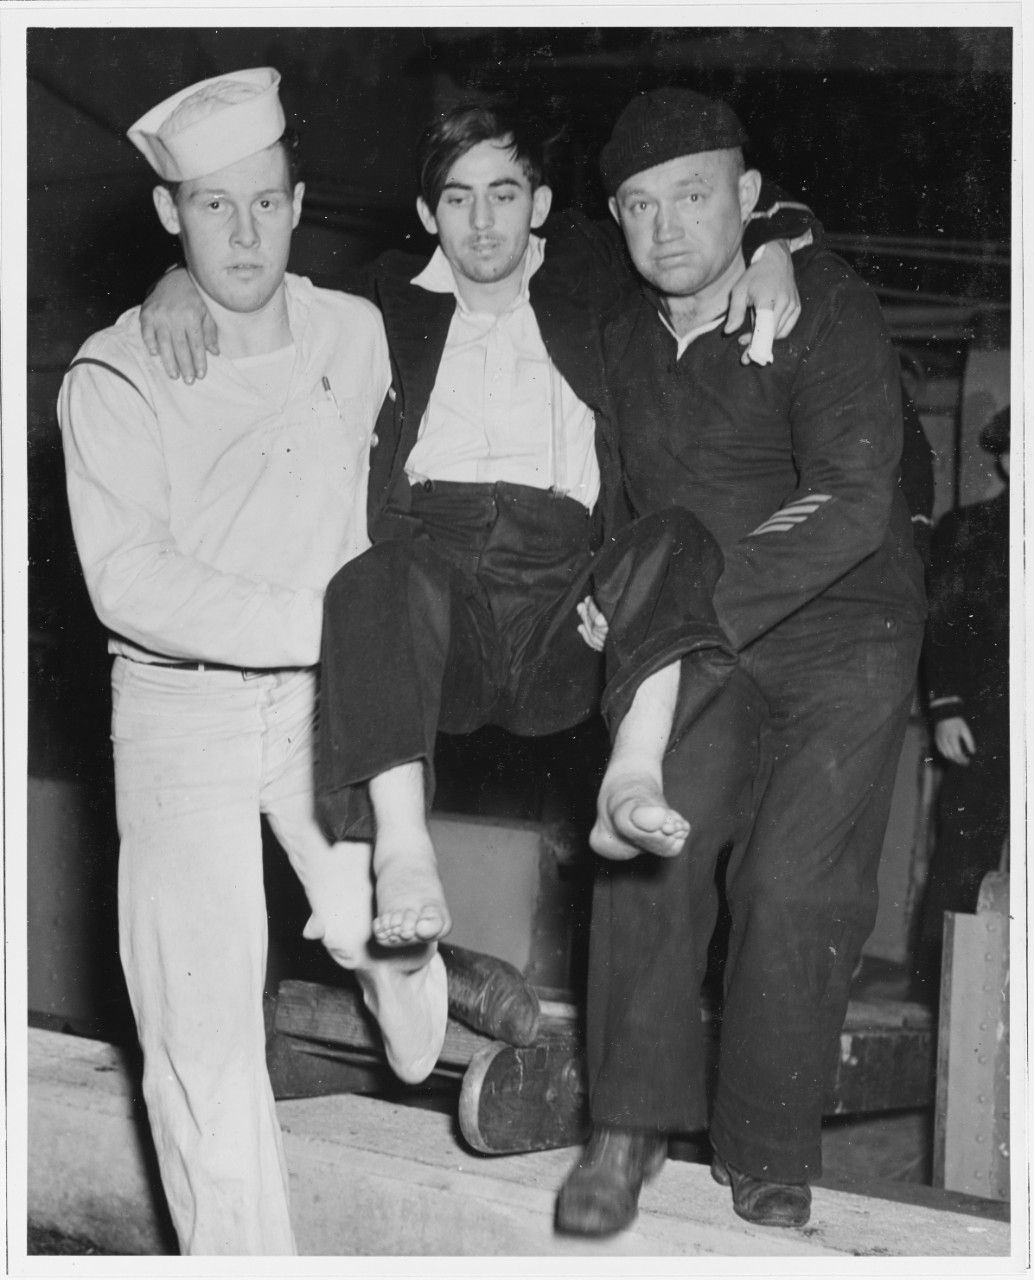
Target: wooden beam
pixel 971 1132
pixel 372 1178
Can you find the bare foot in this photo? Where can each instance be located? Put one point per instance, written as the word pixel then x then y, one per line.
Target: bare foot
pixel 410 898
pixel 633 817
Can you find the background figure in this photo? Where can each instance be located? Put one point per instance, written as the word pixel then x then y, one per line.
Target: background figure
pixel 967 675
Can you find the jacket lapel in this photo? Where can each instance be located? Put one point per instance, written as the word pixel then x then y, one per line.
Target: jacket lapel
pixel 417 324
pixel 570 329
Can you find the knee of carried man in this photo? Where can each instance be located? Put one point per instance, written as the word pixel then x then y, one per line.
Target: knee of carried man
pixel 369 571
pixel 681 522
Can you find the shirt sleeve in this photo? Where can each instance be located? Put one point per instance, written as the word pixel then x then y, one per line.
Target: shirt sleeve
pixel 846 430
pixel 141 585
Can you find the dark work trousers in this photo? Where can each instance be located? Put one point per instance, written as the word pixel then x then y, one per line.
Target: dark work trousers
pixel 805 737
pixel 652 920
pixel 468 622
pixel 972 824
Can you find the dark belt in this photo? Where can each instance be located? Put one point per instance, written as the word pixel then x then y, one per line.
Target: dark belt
pixel 526 493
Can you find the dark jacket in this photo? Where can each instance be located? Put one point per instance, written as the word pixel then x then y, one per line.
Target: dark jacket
pixel 585 272
pixel 966 658
pixel 793 468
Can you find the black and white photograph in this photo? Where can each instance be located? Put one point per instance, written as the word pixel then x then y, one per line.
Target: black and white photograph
pixel 514 740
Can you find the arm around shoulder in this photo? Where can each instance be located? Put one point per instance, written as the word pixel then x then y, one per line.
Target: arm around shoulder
pixel 778 216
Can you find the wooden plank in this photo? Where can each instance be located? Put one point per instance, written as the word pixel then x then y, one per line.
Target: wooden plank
pixel 883 1070
pixel 91 1168
pixel 372 1178
pixel 873 1015
pixel 971 1132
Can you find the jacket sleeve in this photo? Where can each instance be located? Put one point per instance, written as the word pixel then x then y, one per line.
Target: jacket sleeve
pixel 141 585
pixel 846 428
pixel 951 640
pixel 917 477
pixel 778 217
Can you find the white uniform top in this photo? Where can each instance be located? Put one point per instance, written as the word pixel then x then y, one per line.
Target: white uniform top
pixel 499 409
pixel 209 518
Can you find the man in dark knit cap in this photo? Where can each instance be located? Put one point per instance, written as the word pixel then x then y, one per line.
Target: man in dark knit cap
pixel 787 724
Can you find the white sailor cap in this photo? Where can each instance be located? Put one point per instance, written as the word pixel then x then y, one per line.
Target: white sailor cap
pixel 212 124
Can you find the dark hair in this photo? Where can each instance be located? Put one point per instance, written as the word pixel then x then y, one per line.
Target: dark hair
pixel 464 126
pixel 292 145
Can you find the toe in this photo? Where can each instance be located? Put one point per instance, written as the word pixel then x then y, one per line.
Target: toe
pixel 431 923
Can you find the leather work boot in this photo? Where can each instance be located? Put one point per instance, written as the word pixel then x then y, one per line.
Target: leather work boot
pixel 526 1099
pixel 601 1194
pixel 768 1204
pixel 489 995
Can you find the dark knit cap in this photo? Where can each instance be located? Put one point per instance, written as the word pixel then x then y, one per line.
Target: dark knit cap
pixel 995 436
pixel 659 126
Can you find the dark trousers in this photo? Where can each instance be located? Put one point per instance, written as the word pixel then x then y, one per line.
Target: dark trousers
pixel 972 824
pixel 793 762
pixel 469 621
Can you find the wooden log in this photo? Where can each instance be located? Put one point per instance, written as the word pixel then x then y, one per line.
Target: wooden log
pixel 887 1057
pixel 336 1018
pixel 298 1070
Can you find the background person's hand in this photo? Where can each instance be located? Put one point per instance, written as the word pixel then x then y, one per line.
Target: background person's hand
pixel 954 740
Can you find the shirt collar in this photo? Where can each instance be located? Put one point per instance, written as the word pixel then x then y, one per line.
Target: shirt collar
pixel 300 297
pixel 438 277
pixel 683 342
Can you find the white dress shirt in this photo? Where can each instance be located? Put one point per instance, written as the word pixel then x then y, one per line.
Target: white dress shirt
pixel 500 409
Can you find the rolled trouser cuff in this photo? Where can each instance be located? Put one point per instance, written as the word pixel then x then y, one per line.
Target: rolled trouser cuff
pixel 706 660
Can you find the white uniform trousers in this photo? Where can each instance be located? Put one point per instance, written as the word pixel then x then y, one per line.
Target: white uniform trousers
pixel 198 756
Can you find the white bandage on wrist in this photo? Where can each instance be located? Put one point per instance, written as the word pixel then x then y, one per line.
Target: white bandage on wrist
pixel 760 349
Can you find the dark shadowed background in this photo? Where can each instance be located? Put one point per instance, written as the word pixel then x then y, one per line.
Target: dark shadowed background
pixel 900 139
